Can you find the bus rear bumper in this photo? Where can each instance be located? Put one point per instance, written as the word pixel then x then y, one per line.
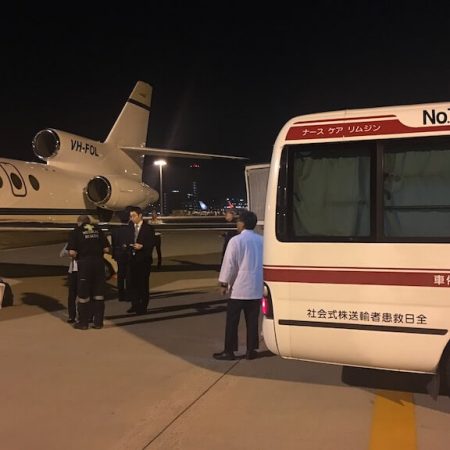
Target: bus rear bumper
pixel 268 333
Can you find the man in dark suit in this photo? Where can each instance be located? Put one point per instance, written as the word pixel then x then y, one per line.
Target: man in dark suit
pixel 121 239
pixel 143 236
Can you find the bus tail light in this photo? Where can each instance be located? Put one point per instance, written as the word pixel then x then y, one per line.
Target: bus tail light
pixel 266 303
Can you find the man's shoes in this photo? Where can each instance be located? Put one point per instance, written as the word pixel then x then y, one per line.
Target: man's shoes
pixel 79 326
pixel 70 320
pixel 251 354
pixel 224 356
pixel 97 327
pixel 131 310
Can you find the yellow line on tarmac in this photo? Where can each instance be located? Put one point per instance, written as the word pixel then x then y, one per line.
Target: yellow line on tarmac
pixel 394 422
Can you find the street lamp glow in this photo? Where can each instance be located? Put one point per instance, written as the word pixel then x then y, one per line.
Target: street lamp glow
pixel 160 163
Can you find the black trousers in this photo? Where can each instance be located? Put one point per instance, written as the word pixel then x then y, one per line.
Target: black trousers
pixel 139 277
pixel 122 274
pixel 251 312
pixel 72 280
pixel 157 246
pixel 91 287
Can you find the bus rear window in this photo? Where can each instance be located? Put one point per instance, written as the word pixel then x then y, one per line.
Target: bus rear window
pixel 328 192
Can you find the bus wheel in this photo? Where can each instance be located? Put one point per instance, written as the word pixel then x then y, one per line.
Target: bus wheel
pixel 445 371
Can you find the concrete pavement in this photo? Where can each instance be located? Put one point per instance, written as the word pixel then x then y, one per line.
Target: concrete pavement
pixel 150 381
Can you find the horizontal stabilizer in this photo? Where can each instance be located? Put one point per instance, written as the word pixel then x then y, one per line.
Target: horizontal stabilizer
pixel 161 152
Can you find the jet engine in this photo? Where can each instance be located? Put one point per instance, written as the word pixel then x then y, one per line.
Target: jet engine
pixel 55 146
pixel 46 144
pixel 117 192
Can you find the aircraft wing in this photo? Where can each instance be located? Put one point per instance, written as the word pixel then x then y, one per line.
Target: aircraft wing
pixel 141 151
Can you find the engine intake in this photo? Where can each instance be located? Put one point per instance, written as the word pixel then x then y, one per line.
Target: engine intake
pixel 99 190
pixel 116 192
pixel 46 144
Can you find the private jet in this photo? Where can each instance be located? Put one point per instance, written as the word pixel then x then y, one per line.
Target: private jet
pixel 78 176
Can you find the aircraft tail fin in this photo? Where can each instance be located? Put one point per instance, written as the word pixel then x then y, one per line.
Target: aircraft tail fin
pixel 131 126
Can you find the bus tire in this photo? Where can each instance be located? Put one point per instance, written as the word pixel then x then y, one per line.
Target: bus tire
pixel 444 370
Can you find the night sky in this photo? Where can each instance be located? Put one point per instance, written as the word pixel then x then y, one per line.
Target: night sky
pixel 225 77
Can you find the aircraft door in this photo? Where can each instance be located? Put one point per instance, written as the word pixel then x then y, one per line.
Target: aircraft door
pixel 15 178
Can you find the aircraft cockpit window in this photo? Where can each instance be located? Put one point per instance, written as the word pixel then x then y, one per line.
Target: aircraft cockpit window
pixel 34 182
pixel 1 182
pixel 16 181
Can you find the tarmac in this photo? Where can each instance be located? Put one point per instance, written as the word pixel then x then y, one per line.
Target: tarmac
pixel 150 382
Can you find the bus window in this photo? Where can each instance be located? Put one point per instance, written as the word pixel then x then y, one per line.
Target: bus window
pixel 417 188
pixel 329 192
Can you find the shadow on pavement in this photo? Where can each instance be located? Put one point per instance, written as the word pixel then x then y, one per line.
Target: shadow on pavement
pixel 200 311
pixel 385 379
pixel 190 324
pixel 416 383
pixel 155 295
pixel 186 266
pixel 200 307
pixel 44 302
pixel 30 270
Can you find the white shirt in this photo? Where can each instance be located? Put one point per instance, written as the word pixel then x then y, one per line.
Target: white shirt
pixel 137 227
pixel 242 266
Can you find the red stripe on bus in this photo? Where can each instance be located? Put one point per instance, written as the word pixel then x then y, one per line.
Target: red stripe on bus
pixel 357 277
pixel 324 121
pixel 357 129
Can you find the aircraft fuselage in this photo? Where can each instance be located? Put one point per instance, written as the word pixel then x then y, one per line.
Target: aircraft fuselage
pixel 36 192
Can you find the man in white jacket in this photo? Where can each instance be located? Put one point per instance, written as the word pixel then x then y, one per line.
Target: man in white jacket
pixel 241 276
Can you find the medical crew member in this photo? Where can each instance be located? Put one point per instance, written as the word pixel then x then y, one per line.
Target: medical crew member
pixel 241 275
pixel 87 243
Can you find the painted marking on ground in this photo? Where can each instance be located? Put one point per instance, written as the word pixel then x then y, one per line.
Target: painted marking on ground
pixel 394 422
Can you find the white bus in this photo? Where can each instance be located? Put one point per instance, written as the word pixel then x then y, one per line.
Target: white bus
pixel 357 239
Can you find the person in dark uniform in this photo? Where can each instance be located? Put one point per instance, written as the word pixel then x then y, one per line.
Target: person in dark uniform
pixel 157 246
pixel 241 275
pixel 87 243
pixel 72 279
pixel 230 217
pixel 154 220
pixel 143 237
pixel 121 240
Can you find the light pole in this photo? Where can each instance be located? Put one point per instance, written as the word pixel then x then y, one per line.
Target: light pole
pixel 160 163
